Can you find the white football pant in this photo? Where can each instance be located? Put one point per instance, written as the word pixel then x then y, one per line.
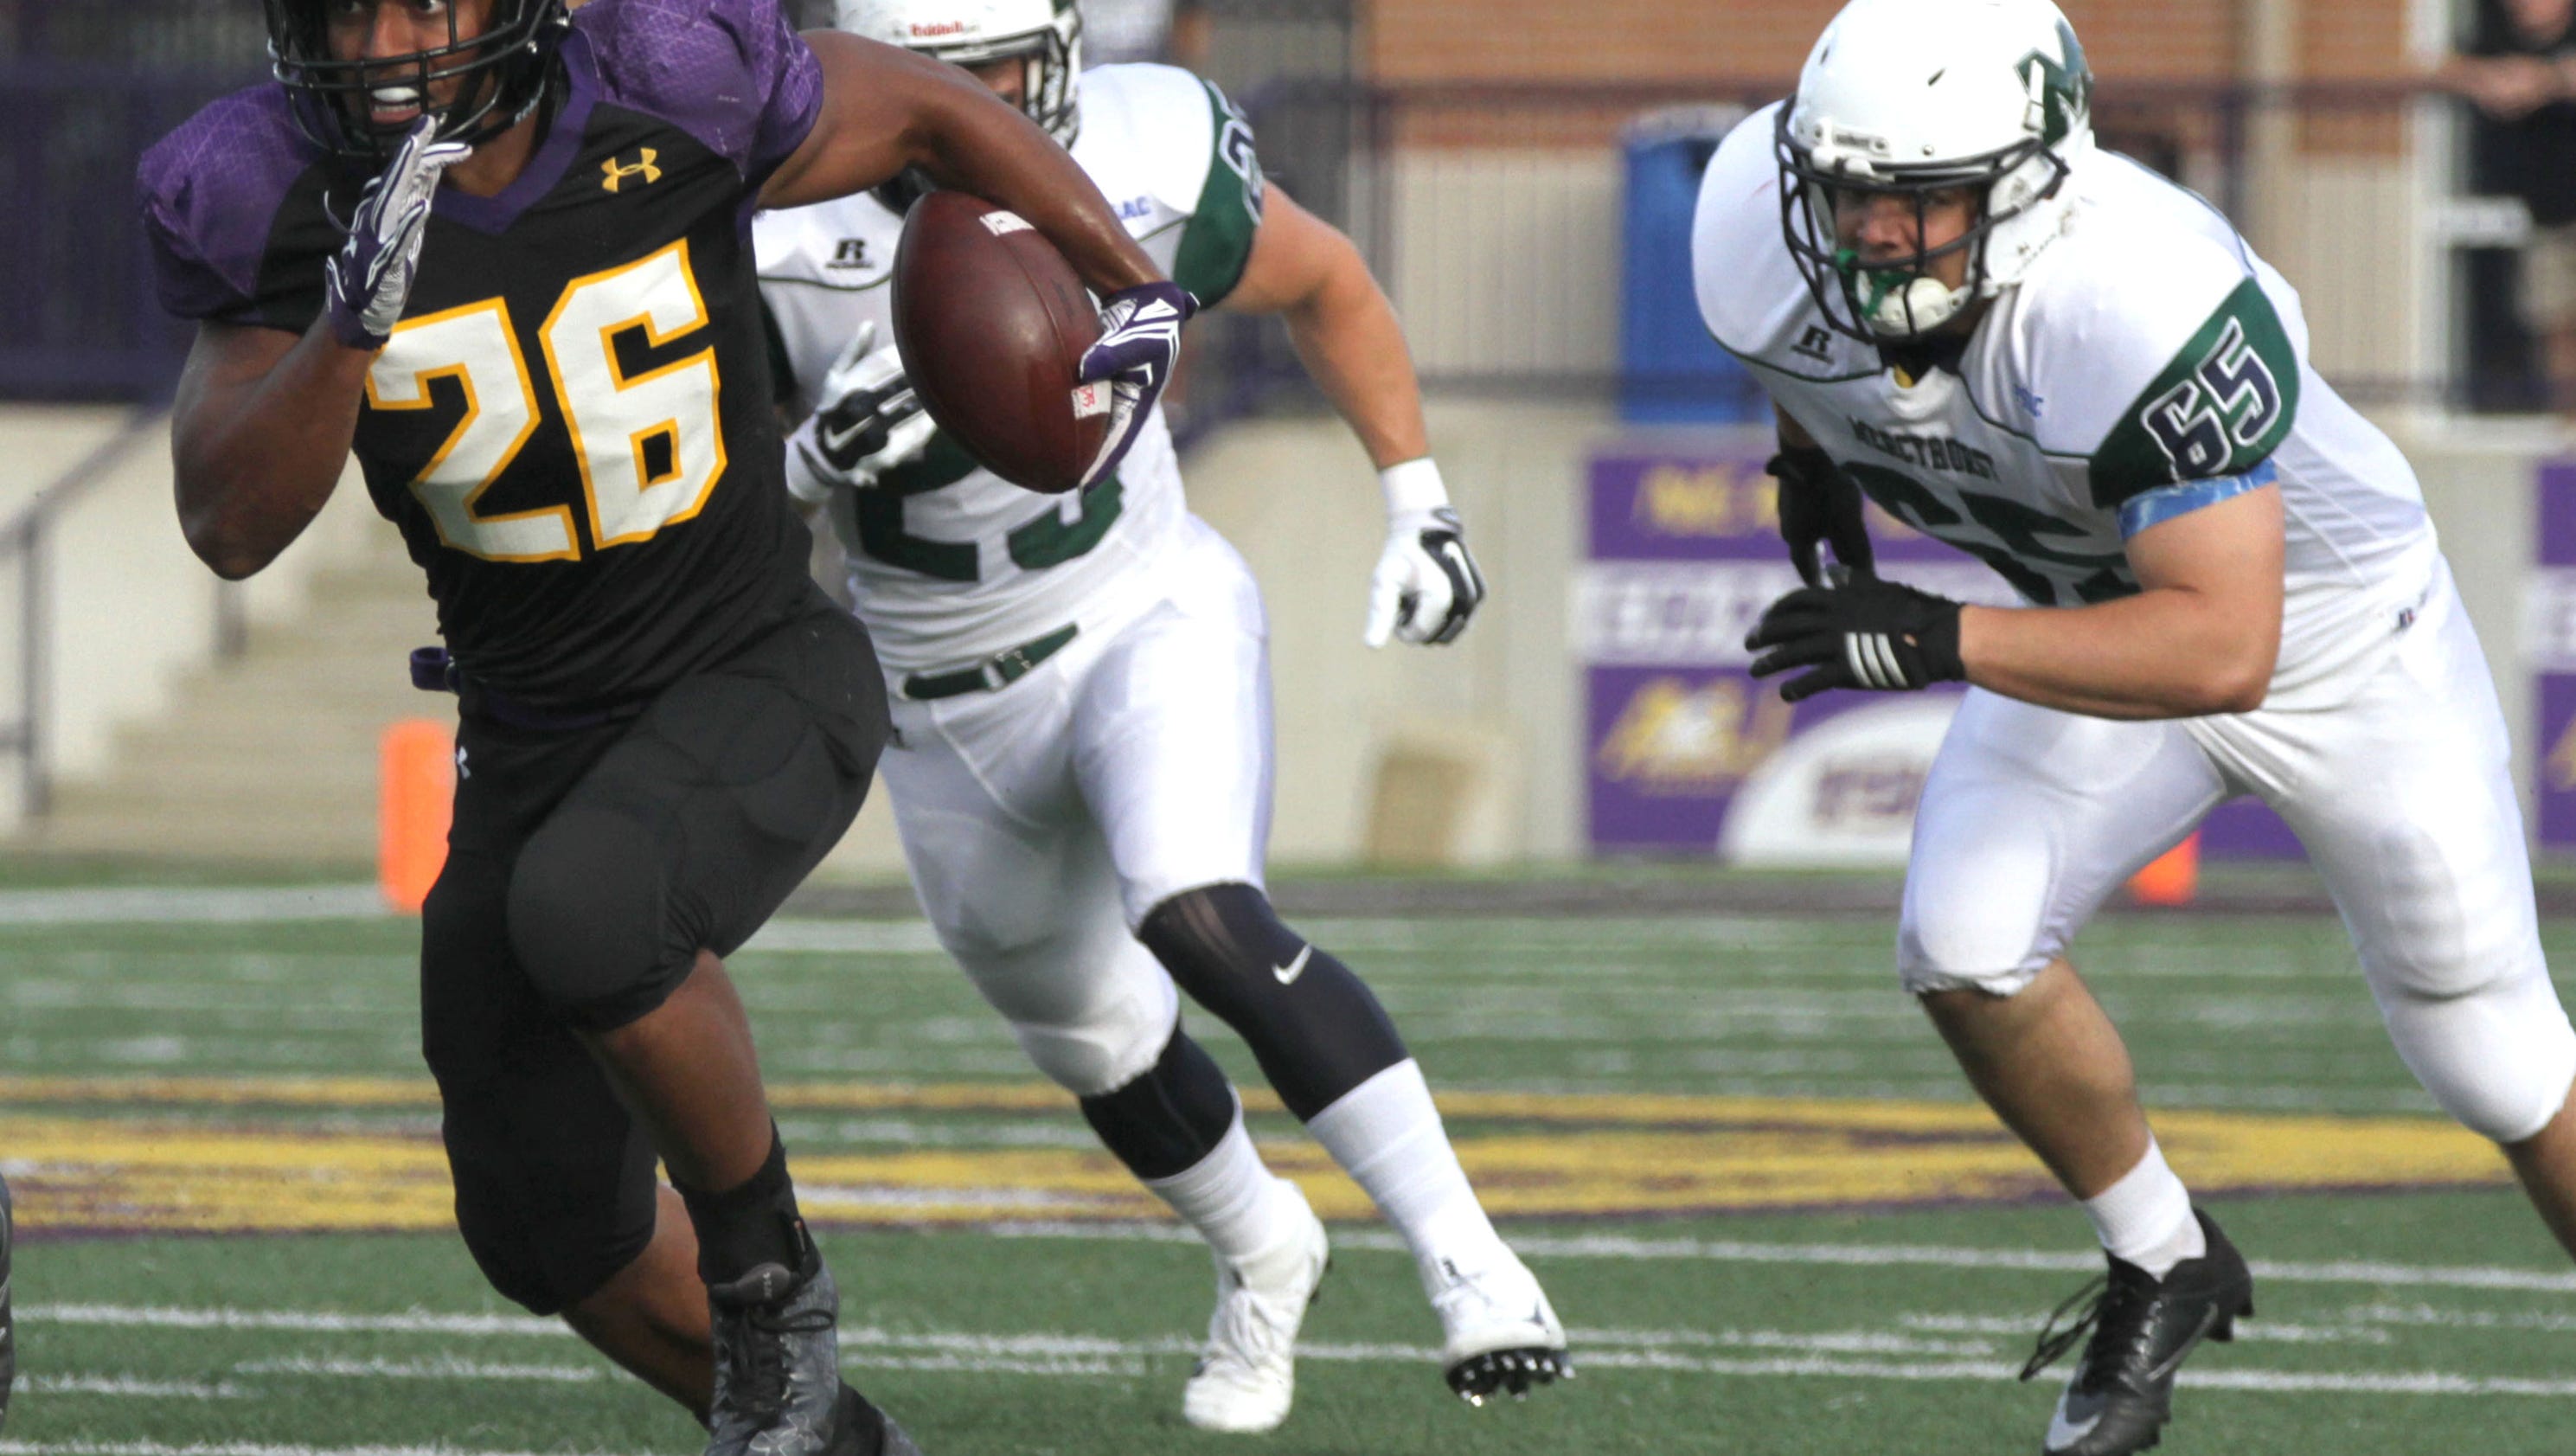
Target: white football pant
pixel 1043 821
pixel 2403 796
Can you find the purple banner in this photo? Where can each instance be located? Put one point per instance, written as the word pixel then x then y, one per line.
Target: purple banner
pixel 1685 752
pixel 2551 642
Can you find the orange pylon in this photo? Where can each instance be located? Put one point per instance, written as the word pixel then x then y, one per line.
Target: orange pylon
pixel 2172 878
pixel 415 793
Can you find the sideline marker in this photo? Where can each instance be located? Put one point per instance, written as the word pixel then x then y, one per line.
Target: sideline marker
pixel 2172 878
pixel 415 793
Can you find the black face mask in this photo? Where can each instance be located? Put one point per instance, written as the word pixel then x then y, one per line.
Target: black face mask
pixel 1856 299
pixel 501 74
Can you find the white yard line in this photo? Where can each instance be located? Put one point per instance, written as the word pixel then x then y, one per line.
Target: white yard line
pixel 1831 1354
pixel 141 904
pixel 238 1448
pixel 1726 1251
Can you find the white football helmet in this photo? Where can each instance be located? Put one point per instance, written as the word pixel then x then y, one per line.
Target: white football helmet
pixel 1916 96
pixel 1046 35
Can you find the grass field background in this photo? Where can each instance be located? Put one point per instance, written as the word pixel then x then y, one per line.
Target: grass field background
pixel 1741 1161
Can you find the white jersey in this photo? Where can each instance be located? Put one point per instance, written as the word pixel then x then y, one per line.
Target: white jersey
pixel 2147 364
pixel 949 563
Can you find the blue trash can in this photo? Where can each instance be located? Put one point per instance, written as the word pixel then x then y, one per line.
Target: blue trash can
pixel 1670 370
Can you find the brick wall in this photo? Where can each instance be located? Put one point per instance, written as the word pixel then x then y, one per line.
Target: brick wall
pixel 1698 40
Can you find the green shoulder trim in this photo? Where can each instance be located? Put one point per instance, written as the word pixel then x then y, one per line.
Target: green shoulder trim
pixel 2223 405
pixel 1218 240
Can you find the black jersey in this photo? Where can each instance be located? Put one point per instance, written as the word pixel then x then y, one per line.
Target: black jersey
pixel 572 423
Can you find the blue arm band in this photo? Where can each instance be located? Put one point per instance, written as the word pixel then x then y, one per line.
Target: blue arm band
pixel 2162 504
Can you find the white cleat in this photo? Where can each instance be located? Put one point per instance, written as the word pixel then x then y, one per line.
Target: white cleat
pixel 1247 1376
pixel 1501 1333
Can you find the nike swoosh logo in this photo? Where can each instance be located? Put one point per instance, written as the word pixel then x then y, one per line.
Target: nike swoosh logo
pixel 2062 1432
pixel 1289 973
pixel 2174 1361
pixel 838 440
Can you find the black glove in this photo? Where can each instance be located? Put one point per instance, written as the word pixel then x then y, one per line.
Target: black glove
pixel 1880 635
pixel 1819 503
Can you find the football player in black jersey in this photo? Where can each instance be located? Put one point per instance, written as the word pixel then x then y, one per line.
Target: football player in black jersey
pixel 501 252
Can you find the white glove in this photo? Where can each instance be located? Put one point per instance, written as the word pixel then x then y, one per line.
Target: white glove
pixel 867 421
pixel 368 281
pixel 1426 586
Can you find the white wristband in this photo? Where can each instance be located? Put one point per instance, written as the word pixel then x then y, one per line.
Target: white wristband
pixel 802 482
pixel 1413 485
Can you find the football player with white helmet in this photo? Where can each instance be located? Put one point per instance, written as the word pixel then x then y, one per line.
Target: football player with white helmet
pixel 1082 773
pixel 2063 364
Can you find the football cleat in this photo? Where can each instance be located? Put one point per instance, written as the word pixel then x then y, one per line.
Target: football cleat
pixel 1501 1333
pixel 778 1389
pixel 8 1326
pixel 2121 1394
pixel 1247 1376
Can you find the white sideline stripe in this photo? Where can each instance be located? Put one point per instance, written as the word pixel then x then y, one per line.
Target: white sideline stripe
pixel 133 1386
pixel 239 1448
pixel 443 1369
pixel 2025 1327
pixel 414 1322
pixel 1726 1251
pixel 1095 1357
pixel 135 905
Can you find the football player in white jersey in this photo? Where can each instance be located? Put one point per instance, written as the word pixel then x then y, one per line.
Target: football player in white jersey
pixel 1082 771
pixel 2076 371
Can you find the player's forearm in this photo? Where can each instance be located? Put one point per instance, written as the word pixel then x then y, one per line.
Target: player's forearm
pixel 2169 653
pixel 995 153
pixel 1353 347
pixel 257 453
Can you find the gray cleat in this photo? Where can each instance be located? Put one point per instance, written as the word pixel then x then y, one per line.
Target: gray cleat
pixel 778 1370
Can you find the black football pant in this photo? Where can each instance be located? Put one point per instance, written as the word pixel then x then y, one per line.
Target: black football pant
pixel 586 869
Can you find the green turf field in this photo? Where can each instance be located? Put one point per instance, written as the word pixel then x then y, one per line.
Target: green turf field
pixel 1731 1147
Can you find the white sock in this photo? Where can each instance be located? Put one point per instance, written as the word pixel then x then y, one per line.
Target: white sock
pixel 2145 1219
pixel 1387 1135
pixel 1234 1202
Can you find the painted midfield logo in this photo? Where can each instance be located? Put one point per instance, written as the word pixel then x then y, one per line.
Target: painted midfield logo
pixel 643 166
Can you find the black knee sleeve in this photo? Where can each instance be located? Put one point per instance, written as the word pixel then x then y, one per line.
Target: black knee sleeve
pixel 1168 1118
pixel 1315 1028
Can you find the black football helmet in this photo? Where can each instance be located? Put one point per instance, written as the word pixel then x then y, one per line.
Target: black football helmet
pixel 502 73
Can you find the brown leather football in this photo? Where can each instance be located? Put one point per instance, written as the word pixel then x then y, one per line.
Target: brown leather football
pixel 992 323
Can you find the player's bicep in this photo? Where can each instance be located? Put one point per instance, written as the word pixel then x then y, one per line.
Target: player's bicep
pixel 2227 550
pixel 227 360
pixel 1295 254
pixel 878 112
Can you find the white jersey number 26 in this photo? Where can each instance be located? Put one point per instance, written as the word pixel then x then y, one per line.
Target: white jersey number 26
pixel 650 445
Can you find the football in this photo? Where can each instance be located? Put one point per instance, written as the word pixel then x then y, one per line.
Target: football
pixel 992 323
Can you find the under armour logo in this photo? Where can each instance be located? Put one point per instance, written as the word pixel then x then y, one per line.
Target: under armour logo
pixel 852 253
pixel 617 172
pixel 1815 344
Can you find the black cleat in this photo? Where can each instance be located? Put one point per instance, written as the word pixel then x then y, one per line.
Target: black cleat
pixel 860 1429
pixel 8 1326
pixel 778 1387
pixel 2143 1328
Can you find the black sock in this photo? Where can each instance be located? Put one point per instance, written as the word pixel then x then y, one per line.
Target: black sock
pixel 745 1227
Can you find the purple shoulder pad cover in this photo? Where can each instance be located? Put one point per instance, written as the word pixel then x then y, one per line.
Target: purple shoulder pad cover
pixel 210 195
pixel 731 73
